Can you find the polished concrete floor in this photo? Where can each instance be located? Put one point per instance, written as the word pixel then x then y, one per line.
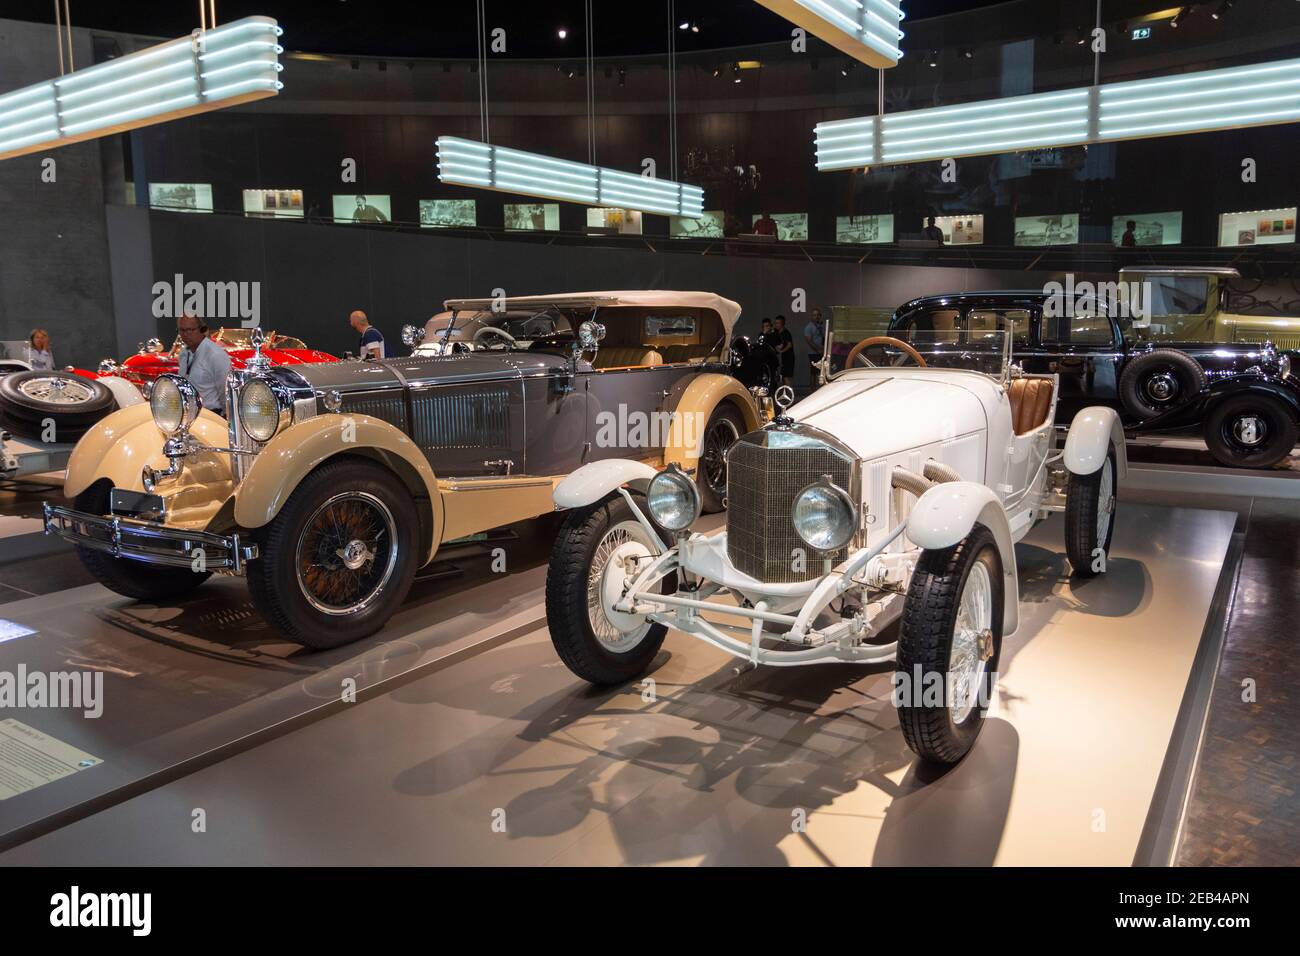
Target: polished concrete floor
pixel 504 757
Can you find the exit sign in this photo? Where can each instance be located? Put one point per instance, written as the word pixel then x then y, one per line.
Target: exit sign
pixel 1141 33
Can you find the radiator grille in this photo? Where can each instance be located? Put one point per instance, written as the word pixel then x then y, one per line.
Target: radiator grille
pixel 388 406
pixel 478 419
pixel 765 471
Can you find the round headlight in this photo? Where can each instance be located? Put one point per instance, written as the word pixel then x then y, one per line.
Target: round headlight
pixel 673 499
pixel 259 410
pixel 174 402
pixel 824 516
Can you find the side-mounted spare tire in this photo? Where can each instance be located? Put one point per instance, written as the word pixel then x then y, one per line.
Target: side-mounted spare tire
pixel 1159 380
pixel 28 400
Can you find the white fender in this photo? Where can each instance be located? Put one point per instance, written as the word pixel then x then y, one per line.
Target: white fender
pixel 125 393
pixel 594 481
pixel 1093 433
pixel 948 512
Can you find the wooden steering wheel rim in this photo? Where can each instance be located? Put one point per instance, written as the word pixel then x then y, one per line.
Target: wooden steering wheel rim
pixel 883 340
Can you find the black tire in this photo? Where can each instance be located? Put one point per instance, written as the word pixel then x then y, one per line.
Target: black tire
pixel 133 579
pixel 25 413
pixel 1159 380
pixel 1083 531
pixel 567 580
pixel 327 603
pixel 724 427
pixel 925 641
pixel 1267 423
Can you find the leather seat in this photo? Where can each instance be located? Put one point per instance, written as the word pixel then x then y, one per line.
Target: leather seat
pixel 686 353
pixel 1031 400
pixel 622 356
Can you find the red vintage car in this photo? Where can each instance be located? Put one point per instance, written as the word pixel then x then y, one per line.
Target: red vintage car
pixel 73 399
pixel 152 360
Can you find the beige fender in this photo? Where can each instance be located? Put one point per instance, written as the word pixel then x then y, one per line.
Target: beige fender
pixel 945 515
pixel 120 445
pixel 702 396
pixel 291 455
pixel 1094 432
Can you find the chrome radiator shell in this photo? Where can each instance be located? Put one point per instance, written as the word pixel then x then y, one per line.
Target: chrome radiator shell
pixel 766 470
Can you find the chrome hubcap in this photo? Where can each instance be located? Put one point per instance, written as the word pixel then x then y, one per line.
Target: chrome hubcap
pixel 1162 387
pixel 56 391
pixel 972 643
pixel 1249 430
pixel 621 553
pixel 347 553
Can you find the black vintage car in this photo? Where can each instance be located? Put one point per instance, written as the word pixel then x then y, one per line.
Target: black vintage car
pixel 1243 396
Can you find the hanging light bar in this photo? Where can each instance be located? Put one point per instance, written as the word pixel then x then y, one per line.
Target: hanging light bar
pixel 465 162
pixel 1202 102
pixel 866 30
pixel 209 70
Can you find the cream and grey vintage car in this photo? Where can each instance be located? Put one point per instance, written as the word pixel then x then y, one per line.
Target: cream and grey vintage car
pixel 333 483
pixel 893 495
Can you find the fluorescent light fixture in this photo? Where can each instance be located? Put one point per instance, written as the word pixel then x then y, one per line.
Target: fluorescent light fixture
pixel 465 162
pixel 866 30
pixel 1233 98
pixel 221 67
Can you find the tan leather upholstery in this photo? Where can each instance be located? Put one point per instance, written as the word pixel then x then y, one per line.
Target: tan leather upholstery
pixel 686 353
pixel 618 356
pixel 1031 400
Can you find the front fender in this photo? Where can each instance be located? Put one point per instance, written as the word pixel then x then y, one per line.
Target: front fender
pixel 120 445
pixel 124 393
pixel 702 396
pixel 948 512
pixel 594 481
pixel 294 453
pixel 1094 432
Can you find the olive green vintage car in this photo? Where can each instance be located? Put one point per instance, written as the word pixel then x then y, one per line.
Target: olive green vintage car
pixel 1191 304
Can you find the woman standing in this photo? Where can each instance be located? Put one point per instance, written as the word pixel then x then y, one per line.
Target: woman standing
pixel 38 351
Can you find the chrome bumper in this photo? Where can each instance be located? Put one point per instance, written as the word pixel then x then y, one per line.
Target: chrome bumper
pixel 149 543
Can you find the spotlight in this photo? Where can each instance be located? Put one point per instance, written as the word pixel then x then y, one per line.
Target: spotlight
pixel 735 70
pixel 968 53
pixel 562 33
pixel 695 28
pixel 717 71
pixel 622 76
pixel 847 68
pixel 1224 7
pixel 1083 37
pixel 684 25
pixel 933 59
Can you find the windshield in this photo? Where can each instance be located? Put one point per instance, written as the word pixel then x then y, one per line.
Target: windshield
pixel 523 329
pixel 982 350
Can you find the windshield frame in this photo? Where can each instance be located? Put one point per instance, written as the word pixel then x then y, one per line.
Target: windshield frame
pixel 828 374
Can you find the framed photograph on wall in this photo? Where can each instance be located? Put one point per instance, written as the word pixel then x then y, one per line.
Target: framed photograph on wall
pixel 1062 230
pixel 532 216
pixel 447 213
pixel 1149 228
pixel 1264 227
pixel 626 222
pixel 363 208
pixel 273 203
pixel 961 230
pixel 790 226
pixel 859 230
pixel 181 197
pixel 710 226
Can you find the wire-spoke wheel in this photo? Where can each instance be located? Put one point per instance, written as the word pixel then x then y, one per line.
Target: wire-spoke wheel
pixel 724 427
pixel 32 402
pixel 599 551
pixel 336 565
pixel 346 553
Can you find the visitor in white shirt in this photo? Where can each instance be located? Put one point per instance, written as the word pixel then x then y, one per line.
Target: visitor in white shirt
pixel 38 351
pixel 203 362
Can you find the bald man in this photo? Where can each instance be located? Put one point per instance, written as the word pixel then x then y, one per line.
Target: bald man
pixel 372 342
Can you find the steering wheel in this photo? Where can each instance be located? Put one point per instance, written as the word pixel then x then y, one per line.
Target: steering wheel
pixel 502 333
pixel 867 343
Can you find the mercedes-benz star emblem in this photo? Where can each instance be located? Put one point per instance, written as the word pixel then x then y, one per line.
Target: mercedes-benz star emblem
pixel 784 397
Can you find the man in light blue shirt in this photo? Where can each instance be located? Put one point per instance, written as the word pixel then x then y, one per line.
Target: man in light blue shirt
pixel 203 362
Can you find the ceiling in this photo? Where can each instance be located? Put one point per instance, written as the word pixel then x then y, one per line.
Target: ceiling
pixel 446 28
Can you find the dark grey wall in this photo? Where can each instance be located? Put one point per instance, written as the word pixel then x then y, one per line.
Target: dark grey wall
pixel 313 275
pixel 54 270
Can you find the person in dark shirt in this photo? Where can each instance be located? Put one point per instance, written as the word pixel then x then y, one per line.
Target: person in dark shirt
pixel 372 341
pixel 1129 239
pixel 784 346
pixel 931 231
pixel 765 333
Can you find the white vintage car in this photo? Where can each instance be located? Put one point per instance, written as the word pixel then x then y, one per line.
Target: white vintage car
pixel 895 493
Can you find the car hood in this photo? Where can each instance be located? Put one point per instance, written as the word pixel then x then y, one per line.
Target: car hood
pixel 884 412
pixel 356 374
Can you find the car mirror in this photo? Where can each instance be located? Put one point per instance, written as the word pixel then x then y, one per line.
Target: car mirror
pixel 590 335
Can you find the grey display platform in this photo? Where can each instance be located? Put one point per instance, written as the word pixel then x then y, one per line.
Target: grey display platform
pixel 504 757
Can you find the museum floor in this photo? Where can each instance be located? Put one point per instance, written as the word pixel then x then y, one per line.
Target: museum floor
pixel 471 744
